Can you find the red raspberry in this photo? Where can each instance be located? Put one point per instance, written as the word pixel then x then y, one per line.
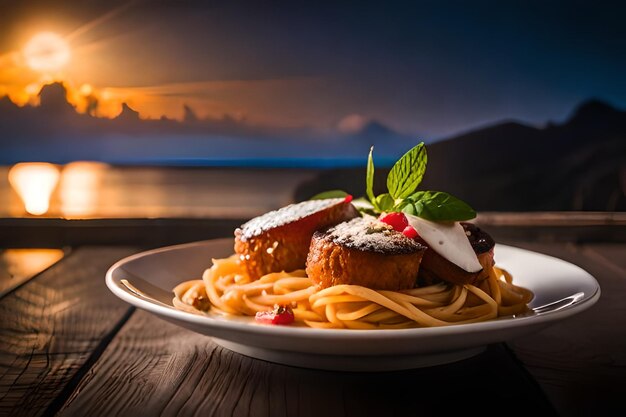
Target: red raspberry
pixel 410 232
pixel 280 315
pixel 396 220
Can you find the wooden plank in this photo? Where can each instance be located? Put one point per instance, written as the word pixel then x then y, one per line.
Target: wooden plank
pixel 54 326
pixel 611 255
pixel 38 232
pixel 156 368
pixel 580 363
pixel 552 218
pixel 19 265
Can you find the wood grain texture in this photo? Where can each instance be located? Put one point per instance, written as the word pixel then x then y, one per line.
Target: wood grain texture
pixel 552 218
pixel 156 368
pixel 581 362
pixel 19 265
pixel 610 255
pixel 146 233
pixel 55 355
pixel 51 327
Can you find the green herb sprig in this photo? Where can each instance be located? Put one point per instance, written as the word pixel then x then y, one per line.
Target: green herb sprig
pixel 401 196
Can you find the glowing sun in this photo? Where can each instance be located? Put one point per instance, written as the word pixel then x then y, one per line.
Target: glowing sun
pixel 46 52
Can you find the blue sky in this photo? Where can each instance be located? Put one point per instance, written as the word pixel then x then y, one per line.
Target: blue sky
pixel 427 68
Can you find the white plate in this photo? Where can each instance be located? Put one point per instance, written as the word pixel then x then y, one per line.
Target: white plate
pixel 561 290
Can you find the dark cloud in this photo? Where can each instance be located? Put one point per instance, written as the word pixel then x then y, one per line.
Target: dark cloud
pixel 55 132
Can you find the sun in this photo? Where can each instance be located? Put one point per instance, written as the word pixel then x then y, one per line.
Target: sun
pixel 46 52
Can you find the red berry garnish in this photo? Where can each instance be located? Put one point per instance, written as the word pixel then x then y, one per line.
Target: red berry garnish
pixel 410 232
pixel 347 199
pixel 396 220
pixel 280 315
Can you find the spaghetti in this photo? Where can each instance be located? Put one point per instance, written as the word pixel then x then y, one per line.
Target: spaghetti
pixel 226 288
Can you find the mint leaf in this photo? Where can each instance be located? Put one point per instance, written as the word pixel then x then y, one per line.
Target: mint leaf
pixel 407 173
pixel 363 205
pixel 440 206
pixel 369 178
pixel 384 202
pixel 329 194
pixel 409 209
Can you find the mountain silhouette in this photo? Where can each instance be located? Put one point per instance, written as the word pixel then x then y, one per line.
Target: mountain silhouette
pixel 373 129
pixel 56 132
pixel 577 165
pixel 595 113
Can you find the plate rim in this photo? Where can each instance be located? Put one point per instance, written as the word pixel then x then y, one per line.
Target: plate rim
pixel 208 322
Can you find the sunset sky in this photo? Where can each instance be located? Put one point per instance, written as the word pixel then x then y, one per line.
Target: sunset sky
pixel 433 68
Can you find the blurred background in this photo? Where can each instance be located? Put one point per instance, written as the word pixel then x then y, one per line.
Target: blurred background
pixel 198 115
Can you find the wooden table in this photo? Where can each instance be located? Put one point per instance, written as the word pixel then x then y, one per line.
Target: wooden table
pixel 69 347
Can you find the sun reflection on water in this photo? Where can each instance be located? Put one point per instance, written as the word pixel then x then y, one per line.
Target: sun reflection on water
pixel 80 188
pixel 90 190
pixel 34 182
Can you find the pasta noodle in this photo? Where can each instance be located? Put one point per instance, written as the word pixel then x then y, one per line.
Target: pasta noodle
pixel 226 288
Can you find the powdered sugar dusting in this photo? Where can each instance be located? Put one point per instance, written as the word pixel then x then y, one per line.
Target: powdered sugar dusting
pixel 285 215
pixel 370 235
